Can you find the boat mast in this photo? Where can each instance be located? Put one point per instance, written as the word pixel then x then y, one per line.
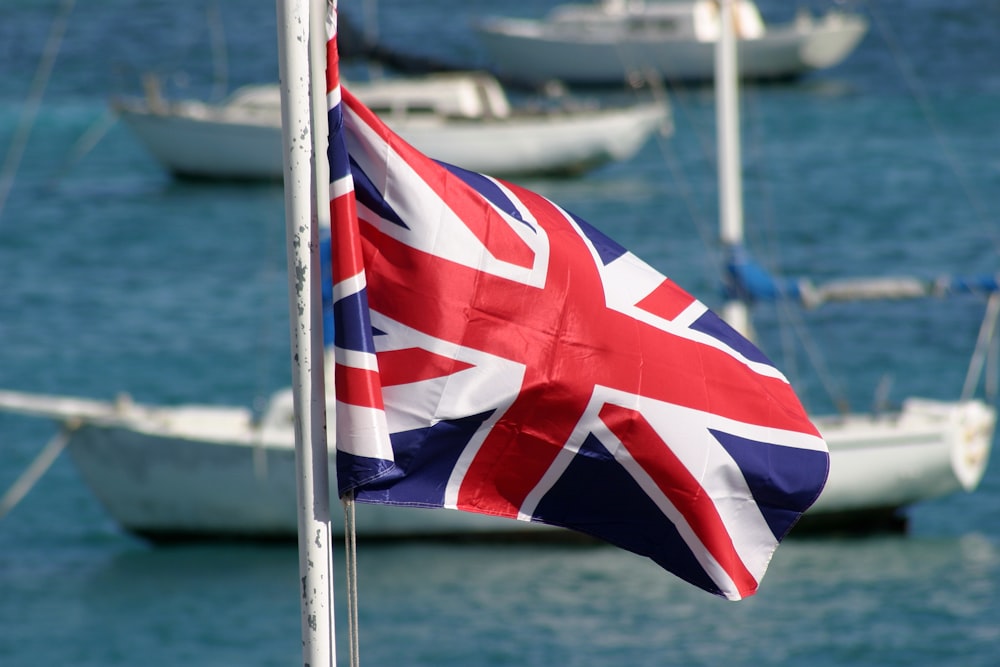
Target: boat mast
pixel 301 54
pixel 727 102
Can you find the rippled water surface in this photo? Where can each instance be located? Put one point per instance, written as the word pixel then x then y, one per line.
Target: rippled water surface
pixel 115 278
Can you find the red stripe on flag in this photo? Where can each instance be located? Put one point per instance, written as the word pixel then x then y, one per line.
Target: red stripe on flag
pixel 414 364
pixel 666 301
pixel 347 254
pixel 357 386
pixel 685 493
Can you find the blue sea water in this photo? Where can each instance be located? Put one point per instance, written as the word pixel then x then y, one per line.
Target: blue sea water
pixel 116 278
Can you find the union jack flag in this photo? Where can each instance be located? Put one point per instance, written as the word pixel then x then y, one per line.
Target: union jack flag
pixel 496 354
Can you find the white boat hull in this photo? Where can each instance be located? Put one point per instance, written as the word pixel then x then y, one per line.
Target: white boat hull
pixel 929 449
pixel 173 488
pixel 192 141
pixel 528 51
pixel 210 472
pixel 207 149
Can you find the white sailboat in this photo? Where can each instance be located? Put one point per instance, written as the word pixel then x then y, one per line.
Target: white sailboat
pixel 606 42
pixel 879 463
pixel 463 118
pixel 193 472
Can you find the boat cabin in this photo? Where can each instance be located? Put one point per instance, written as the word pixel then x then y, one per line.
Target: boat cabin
pixel 456 95
pixel 698 20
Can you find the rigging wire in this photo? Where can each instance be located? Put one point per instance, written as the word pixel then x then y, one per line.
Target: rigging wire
pixel 706 229
pixel 984 348
pixel 792 325
pixel 20 488
pixel 87 142
pixel 33 103
pixel 220 62
pixel 984 354
pixel 922 98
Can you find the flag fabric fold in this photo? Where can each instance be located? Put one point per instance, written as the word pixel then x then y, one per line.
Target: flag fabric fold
pixel 497 354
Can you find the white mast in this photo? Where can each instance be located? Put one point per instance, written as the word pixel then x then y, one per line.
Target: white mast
pixel 300 43
pixel 727 101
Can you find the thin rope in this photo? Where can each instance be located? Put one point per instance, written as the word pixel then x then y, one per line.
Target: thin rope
pixel 992 361
pixel 923 102
pixel 220 62
pixel 20 488
pixel 31 106
pixel 351 561
pixel 706 232
pixel 88 141
pixel 831 384
pixel 987 333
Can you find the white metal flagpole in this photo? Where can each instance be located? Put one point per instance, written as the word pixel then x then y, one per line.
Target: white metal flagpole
pixel 300 139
